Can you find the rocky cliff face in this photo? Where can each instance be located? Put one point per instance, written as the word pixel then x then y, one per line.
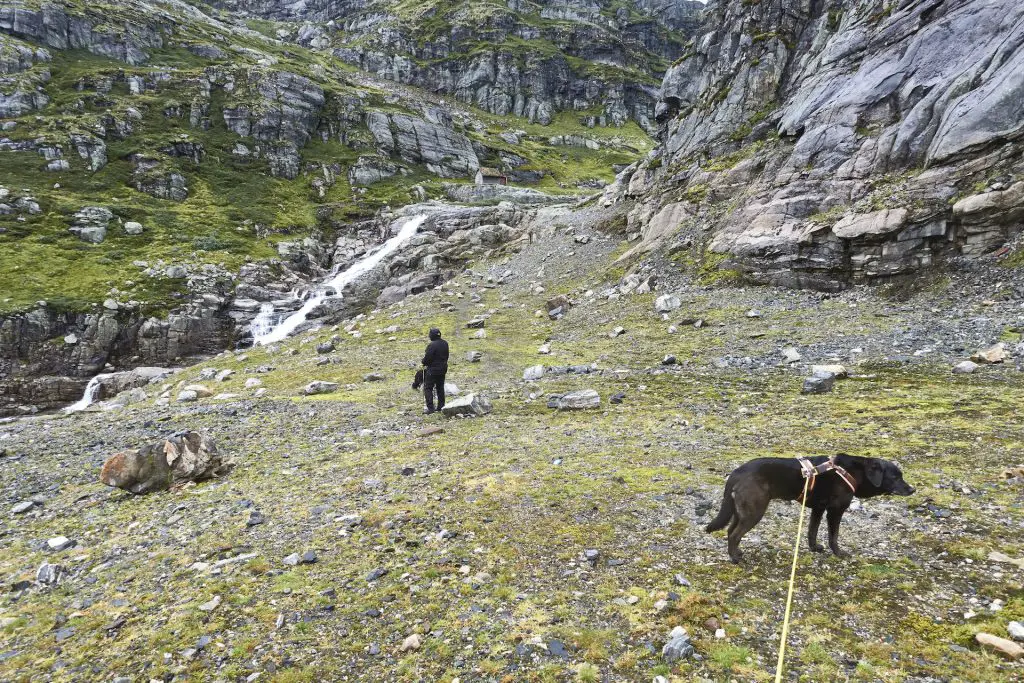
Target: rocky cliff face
pixel 528 59
pixel 825 143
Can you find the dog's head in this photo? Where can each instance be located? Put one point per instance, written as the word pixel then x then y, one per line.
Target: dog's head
pixel 883 478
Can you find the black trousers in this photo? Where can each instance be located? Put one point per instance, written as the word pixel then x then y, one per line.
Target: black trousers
pixel 431 383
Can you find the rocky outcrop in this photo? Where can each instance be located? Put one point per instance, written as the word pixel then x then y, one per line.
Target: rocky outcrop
pixel 524 59
pixel 429 141
pixel 822 144
pixel 23 74
pixel 51 25
pixel 189 456
pixel 111 384
pixel 90 223
pixel 91 149
pixel 289 108
pixel 479 194
pixel 369 170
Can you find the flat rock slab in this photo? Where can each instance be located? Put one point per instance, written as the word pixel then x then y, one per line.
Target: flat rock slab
pixel 59 543
pixel 579 400
pixel 1007 648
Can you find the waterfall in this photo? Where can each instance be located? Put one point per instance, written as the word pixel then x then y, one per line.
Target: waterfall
pixel 92 391
pixel 264 321
pixel 333 286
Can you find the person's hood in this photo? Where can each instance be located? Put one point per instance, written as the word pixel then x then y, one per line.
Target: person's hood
pixel 435 333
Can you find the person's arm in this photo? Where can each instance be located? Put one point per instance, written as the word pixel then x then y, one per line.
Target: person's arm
pixel 429 355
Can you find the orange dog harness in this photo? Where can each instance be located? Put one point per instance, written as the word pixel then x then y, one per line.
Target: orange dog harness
pixel 811 472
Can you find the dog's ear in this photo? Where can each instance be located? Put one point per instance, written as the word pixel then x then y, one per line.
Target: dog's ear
pixel 875 473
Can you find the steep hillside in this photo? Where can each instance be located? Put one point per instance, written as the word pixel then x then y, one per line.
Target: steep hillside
pixel 526 58
pixel 826 143
pixel 214 138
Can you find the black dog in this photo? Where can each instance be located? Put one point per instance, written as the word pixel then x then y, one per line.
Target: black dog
pixel 417 381
pixel 751 486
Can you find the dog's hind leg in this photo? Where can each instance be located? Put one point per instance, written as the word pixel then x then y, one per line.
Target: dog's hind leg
pixel 835 516
pixel 749 511
pixel 812 530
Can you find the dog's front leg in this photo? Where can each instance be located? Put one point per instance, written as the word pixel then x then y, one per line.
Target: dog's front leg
pixel 812 531
pixel 835 516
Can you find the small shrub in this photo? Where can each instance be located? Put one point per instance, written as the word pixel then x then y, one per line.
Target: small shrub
pixel 210 243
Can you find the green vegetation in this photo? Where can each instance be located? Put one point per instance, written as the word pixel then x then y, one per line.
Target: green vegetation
pixel 747 128
pixel 835 18
pixel 728 161
pixel 706 267
pixel 564 165
pixel 695 194
pixel 829 217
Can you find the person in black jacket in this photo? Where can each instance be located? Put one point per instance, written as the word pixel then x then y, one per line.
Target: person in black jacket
pixel 435 364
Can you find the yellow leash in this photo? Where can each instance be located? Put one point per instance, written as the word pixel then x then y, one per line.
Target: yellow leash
pixel 792 584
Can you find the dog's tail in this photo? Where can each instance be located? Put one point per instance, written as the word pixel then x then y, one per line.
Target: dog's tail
pixel 725 514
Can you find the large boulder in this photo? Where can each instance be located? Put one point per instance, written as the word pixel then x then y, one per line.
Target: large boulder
pixel 470 404
pixel 114 383
pixel 666 303
pixel 992 355
pixel 369 170
pixel 579 400
pixel 533 373
pixel 188 456
pixel 560 301
pixel 819 383
pixel 320 387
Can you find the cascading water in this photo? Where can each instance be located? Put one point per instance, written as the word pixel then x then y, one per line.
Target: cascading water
pixel 275 333
pixel 264 321
pixel 92 391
